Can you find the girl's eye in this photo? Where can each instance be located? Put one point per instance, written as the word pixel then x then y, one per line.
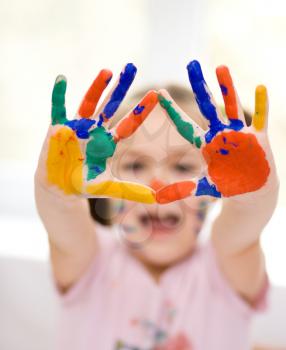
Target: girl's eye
pixel 184 168
pixel 135 166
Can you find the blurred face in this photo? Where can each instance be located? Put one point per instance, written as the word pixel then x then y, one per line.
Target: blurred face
pixel 156 156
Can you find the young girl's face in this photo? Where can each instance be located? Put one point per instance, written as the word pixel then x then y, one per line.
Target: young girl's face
pixel 156 156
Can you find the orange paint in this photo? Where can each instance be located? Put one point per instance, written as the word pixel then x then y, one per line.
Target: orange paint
pixel 156 184
pixel 236 163
pixel 228 92
pixel 130 124
pixel 94 93
pixel 175 192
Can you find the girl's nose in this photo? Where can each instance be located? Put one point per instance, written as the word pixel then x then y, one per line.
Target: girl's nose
pixel 156 184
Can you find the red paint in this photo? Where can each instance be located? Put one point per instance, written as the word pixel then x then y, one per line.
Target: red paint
pixel 94 93
pixel 156 184
pixel 130 124
pixel 244 169
pixel 175 192
pixel 224 78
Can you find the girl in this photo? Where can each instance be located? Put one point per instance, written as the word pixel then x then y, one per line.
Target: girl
pixel 155 287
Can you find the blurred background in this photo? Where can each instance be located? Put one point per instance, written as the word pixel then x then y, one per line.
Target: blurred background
pixel 41 39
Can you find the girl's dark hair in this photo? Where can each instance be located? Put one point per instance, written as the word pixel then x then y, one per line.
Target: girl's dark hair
pixel 100 208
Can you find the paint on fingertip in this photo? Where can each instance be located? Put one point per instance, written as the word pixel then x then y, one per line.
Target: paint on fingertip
pixel 203 99
pixel 58 101
pixel 125 80
pixel 128 125
pixel 205 104
pixel 184 128
pixel 174 192
pixel 205 188
pixel 138 109
pixel 107 81
pixel 223 89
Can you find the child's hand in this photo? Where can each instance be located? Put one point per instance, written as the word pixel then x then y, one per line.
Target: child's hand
pixel 238 158
pixel 76 154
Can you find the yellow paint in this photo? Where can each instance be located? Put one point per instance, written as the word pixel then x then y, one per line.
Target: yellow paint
pixel 64 156
pixel 65 169
pixel 261 106
pixel 123 190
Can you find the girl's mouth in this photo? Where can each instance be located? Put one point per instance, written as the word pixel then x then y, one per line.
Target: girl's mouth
pixel 166 224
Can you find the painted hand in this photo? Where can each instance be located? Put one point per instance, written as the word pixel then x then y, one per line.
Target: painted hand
pixel 238 158
pixel 77 152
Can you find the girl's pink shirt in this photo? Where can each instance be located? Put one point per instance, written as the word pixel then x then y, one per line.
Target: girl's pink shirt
pixel 117 305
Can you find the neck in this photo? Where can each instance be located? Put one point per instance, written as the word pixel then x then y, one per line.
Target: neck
pixel 155 271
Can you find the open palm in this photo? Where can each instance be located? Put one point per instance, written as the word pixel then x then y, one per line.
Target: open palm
pixel 238 158
pixel 76 154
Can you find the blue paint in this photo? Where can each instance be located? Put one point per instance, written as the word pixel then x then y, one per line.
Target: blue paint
pixel 223 151
pixel 96 169
pixel 108 80
pixel 125 80
pixel 204 188
pixel 223 89
pixel 235 124
pixel 205 104
pixel 138 109
pixel 100 121
pixel 80 126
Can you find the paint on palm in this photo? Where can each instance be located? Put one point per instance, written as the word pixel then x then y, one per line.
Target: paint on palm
pixel 79 148
pixel 236 163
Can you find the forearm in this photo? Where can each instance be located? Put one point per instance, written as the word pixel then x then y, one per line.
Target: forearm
pixel 241 221
pixel 236 237
pixel 71 233
pixel 66 218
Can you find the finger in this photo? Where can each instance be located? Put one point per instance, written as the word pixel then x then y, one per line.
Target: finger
pixel 203 96
pixel 114 99
pixel 91 98
pixel 175 191
pixel 260 117
pixel 58 101
pixel 122 190
pixel 129 124
pixel 232 104
pixel 185 126
pixel 184 189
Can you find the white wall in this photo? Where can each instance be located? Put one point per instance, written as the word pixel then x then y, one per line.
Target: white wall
pixel 40 39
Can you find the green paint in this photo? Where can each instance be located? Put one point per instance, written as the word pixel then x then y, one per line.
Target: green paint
pixel 184 128
pixel 58 101
pixel 100 147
